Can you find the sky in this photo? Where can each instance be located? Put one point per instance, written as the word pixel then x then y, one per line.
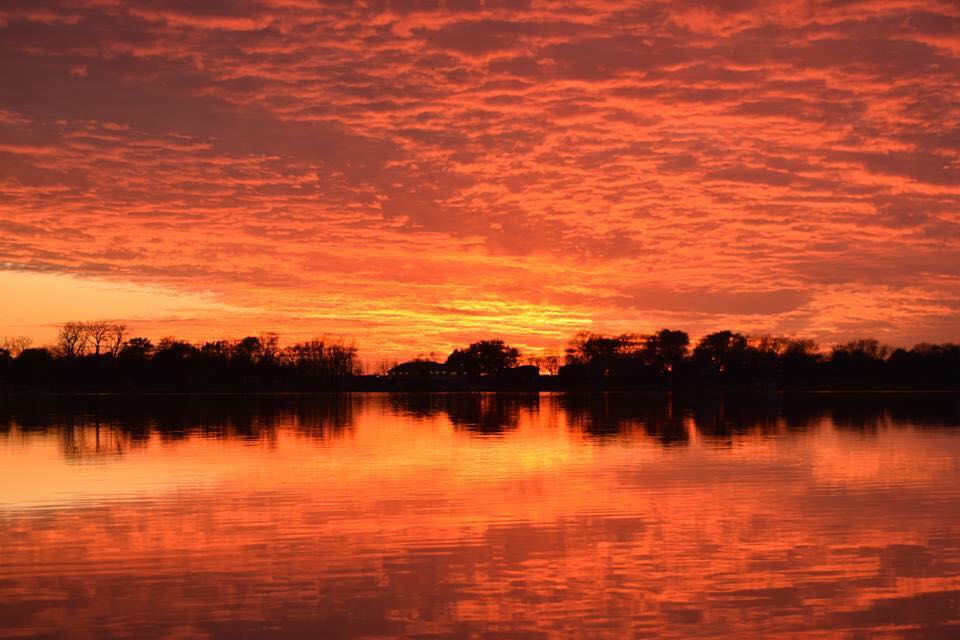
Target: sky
pixel 416 175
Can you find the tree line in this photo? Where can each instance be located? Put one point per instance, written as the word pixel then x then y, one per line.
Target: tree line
pixel 98 355
pixel 723 358
pixel 731 358
pixel 101 356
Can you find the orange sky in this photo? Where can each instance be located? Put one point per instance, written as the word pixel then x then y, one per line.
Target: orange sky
pixel 418 174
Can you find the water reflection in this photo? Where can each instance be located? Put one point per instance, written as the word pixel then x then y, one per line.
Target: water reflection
pixel 484 414
pixel 474 515
pixel 93 426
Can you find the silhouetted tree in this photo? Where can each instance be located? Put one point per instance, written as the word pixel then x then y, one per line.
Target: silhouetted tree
pixel 98 333
pixel 721 353
pixel 487 357
pixel 596 360
pixel 137 349
pixel 269 348
pixel 859 361
pixel 384 366
pixel 15 345
pixel 798 361
pixel 601 352
pixel 666 350
pixel 116 337
pixel 248 350
pixel 547 363
pixel 72 339
pixel 324 361
pixel 866 347
pixel 172 362
pixel 134 362
pixel 926 364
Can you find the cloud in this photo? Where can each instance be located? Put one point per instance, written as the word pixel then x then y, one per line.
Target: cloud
pixel 720 302
pixel 568 155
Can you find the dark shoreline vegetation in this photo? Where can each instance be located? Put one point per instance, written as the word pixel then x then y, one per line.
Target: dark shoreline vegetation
pixel 98 357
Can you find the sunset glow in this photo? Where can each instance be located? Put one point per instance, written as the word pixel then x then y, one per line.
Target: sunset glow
pixel 415 175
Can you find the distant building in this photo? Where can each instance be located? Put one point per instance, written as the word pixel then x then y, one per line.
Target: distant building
pixel 419 369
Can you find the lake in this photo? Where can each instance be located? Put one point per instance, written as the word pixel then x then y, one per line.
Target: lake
pixel 481 516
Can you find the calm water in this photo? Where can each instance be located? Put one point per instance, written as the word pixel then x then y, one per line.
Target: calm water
pixel 475 516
